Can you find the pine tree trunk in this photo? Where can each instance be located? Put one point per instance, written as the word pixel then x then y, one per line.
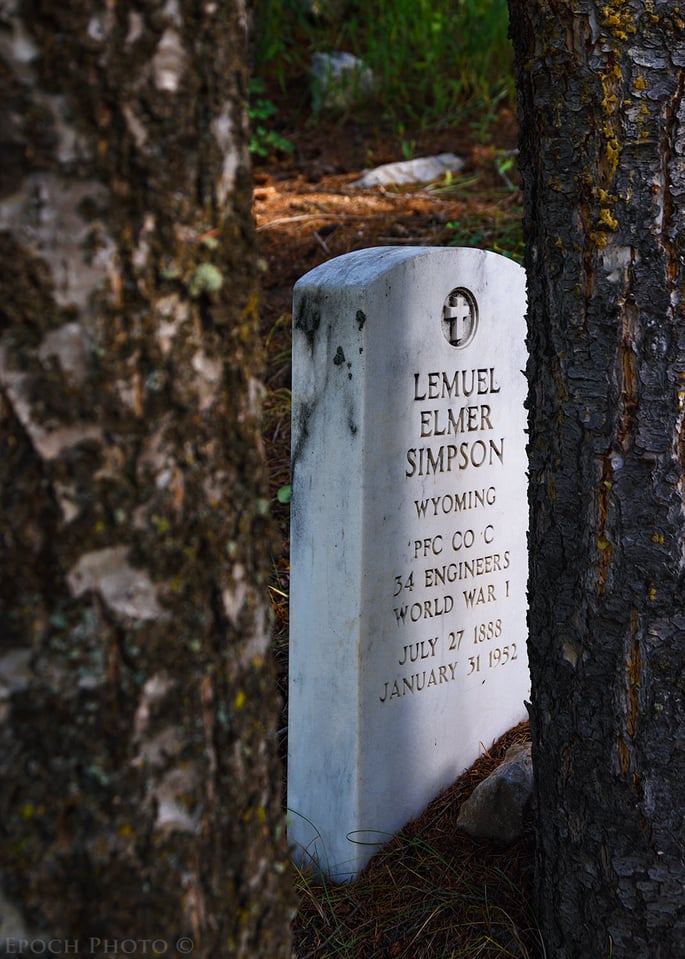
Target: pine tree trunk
pixel 139 781
pixel 602 119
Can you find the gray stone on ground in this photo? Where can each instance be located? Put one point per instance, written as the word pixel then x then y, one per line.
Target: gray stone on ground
pixel 420 170
pixel 339 80
pixel 496 807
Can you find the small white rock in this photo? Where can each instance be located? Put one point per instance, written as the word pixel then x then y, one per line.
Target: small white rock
pixel 420 170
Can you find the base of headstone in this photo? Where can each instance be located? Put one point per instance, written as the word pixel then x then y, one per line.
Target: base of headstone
pixel 408 538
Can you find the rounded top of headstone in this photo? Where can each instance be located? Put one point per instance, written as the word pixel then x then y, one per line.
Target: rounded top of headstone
pixel 362 267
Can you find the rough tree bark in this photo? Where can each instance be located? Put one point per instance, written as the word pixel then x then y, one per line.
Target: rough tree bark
pixel 602 114
pixel 139 781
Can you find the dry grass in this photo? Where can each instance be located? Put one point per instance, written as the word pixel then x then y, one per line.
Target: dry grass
pixel 431 893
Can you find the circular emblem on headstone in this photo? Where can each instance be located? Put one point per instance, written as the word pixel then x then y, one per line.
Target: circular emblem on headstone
pixel 460 317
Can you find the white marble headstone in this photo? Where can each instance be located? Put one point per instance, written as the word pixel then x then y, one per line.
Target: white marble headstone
pixel 408 538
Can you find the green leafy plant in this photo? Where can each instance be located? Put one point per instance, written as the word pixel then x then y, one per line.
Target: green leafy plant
pixel 282 33
pixel 506 163
pixel 264 140
pixel 284 494
pixel 438 59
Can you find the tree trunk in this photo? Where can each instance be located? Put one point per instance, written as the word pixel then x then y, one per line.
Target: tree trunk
pixel 602 118
pixel 139 781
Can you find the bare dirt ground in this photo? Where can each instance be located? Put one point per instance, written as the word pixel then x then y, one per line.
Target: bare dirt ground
pixel 306 211
pixel 433 891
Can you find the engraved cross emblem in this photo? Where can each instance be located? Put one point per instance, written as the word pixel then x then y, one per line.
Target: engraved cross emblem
pixel 457 313
pixel 457 318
